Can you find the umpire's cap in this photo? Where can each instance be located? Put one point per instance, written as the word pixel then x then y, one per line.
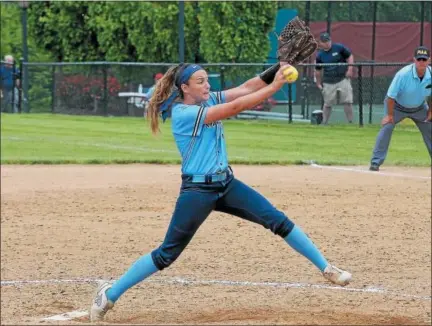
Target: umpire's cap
pixel 422 52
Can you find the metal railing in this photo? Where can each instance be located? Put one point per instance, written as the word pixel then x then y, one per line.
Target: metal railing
pixel 92 87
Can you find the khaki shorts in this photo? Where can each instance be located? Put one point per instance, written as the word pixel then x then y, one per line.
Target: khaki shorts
pixel 345 92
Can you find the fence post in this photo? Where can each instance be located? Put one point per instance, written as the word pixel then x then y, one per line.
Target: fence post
pixel 329 19
pixel 105 90
pixel 20 89
pixel 25 80
pixel 53 89
pixel 222 77
pixel 303 85
pixel 422 14
pixel 289 103
pixel 14 77
pixel 375 9
pixel 360 92
pixel 181 31
pixel 304 79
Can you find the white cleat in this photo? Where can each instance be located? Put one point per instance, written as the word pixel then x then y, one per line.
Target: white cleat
pixel 336 275
pixel 100 304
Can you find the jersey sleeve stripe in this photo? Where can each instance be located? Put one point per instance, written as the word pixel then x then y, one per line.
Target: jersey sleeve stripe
pixel 197 121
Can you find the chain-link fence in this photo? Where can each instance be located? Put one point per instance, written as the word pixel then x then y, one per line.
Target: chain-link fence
pixel 369 83
pixel 94 88
pixel 370 26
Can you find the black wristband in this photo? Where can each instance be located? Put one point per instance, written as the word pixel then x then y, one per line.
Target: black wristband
pixel 268 75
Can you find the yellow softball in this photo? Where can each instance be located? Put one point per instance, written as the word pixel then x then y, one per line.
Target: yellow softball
pixel 291 74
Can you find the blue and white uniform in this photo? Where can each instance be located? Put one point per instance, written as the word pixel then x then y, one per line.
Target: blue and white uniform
pixel 208 184
pixel 409 92
pixel 201 146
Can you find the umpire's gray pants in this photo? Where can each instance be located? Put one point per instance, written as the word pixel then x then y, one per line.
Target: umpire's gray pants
pixel 418 115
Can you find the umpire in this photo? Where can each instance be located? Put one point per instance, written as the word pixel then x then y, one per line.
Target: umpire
pixel 335 78
pixel 406 98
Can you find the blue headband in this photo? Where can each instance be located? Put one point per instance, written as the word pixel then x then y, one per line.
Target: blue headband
pixel 184 77
pixel 187 73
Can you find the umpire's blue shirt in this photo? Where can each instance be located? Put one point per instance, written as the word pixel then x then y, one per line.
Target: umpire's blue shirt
pixel 202 146
pixel 407 89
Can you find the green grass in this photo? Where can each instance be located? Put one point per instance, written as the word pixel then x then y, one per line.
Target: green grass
pixel 338 114
pixel 60 139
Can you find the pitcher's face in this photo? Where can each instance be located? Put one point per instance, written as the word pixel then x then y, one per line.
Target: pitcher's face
pixel 198 87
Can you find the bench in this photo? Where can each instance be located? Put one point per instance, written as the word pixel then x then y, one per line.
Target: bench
pixel 135 98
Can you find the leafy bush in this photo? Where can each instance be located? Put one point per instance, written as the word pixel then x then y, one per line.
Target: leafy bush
pixel 80 91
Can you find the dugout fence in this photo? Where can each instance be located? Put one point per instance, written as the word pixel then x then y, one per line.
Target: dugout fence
pixel 92 88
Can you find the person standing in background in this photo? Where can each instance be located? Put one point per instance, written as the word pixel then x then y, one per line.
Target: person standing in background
pixel 150 91
pixel 9 84
pixel 147 96
pixel 331 79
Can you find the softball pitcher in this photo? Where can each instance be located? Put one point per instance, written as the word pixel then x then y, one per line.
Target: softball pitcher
pixel 208 182
pixel 406 98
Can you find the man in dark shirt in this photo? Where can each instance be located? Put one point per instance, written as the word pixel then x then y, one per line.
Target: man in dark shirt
pixel 8 85
pixel 334 78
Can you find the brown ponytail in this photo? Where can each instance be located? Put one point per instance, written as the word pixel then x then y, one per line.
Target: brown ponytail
pixel 161 93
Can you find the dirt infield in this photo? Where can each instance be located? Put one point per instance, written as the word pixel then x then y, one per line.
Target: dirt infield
pixel 62 227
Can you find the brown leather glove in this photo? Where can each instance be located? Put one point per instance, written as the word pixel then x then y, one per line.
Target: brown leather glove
pixel 295 43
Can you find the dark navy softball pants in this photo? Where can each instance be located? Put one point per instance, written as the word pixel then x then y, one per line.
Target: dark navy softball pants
pixel 197 201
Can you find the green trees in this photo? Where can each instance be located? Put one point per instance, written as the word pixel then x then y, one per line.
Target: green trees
pixel 148 31
pixel 236 31
pixel 10 30
pixel 11 35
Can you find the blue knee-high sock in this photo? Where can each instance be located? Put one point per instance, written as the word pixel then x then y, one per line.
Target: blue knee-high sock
pixel 300 242
pixel 141 269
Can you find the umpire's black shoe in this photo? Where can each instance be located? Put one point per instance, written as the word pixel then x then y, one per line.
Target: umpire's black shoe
pixel 374 167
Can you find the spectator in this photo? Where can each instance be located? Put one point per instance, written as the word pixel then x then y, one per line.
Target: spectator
pixel 334 78
pixel 149 93
pixel 9 83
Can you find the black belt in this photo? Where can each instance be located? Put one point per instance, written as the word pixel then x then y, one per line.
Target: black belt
pixel 408 110
pixel 209 178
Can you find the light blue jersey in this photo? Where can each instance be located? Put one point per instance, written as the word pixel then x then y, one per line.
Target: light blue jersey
pixel 201 146
pixel 407 89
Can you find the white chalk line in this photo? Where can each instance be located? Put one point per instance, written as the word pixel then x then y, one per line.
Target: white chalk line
pixel 68 315
pixel 369 172
pixel 183 281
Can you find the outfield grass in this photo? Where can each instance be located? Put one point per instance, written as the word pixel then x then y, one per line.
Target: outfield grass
pixel 59 139
pixel 338 114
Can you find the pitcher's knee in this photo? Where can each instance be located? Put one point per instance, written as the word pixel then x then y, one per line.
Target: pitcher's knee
pixel 163 257
pixel 280 224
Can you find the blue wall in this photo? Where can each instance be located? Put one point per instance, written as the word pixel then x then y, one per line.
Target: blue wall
pixel 282 18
